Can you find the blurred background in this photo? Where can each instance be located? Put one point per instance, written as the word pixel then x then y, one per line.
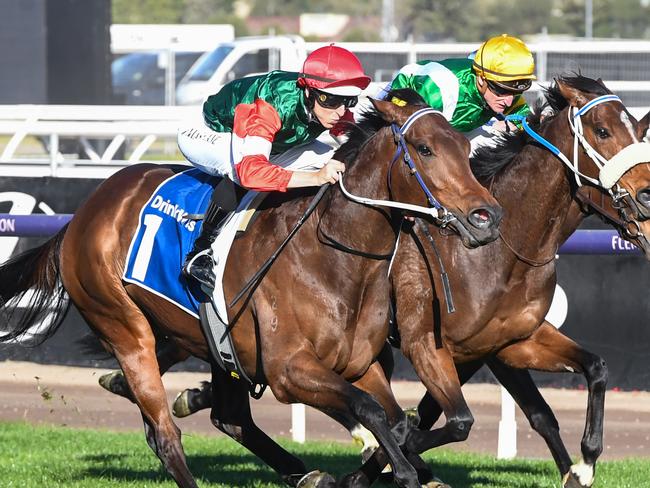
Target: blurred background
pixel 89 86
pixel 139 52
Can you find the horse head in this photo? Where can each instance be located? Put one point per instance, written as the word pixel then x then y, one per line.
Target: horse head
pixel 437 157
pixel 611 157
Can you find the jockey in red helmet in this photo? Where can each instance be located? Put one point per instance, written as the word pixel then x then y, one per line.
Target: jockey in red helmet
pixel 253 119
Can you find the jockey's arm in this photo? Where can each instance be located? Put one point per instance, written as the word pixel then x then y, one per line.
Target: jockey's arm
pixel 425 86
pixel 254 128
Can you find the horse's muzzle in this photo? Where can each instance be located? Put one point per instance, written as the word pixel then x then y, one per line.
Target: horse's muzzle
pixel 485 218
pixel 643 203
pixel 480 226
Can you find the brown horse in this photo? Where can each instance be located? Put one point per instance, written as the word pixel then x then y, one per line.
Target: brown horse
pixel 504 290
pixel 314 324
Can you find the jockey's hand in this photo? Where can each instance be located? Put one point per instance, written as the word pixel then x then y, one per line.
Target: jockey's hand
pixel 330 173
pixel 504 126
pixel 327 174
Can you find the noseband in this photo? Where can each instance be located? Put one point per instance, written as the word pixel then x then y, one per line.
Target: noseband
pixel 610 171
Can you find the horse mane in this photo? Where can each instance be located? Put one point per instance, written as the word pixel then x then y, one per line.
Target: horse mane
pixel 370 123
pixel 556 102
pixel 486 162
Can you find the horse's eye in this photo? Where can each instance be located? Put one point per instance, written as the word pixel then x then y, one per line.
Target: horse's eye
pixel 424 150
pixel 602 133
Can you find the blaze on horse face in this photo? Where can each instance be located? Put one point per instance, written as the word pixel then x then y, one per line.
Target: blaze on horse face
pixel 610 128
pixel 441 156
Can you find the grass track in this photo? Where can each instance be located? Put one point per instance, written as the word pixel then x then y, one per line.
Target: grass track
pixel 61 457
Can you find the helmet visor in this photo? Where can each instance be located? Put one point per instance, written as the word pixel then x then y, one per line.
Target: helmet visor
pixel 328 100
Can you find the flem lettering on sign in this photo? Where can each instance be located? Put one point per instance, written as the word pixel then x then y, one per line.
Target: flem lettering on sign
pixel 621 244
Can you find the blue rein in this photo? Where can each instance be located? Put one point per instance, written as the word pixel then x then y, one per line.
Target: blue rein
pixel 584 109
pixel 402 149
pixel 532 133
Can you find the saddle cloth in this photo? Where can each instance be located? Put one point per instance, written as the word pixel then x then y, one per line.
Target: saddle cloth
pixel 164 237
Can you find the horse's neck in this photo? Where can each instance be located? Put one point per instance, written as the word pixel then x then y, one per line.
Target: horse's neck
pixel 366 177
pixel 535 193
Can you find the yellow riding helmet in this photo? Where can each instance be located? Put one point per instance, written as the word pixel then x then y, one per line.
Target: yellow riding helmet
pixel 504 59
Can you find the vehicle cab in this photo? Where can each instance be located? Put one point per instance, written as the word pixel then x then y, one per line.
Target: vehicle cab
pixel 245 56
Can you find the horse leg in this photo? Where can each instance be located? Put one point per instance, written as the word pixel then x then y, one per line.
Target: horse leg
pixel 306 380
pixel 521 386
pixel 186 403
pixel 360 434
pixel 128 333
pixel 547 349
pixel 374 381
pixel 436 369
pixel 168 355
pixel 428 410
pixel 231 414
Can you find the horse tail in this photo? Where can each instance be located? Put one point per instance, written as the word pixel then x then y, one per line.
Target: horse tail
pixel 33 301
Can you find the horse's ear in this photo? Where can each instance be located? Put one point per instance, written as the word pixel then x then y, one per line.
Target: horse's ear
pixel 573 96
pixel 389 111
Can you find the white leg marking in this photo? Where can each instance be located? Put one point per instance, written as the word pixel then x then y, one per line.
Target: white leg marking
pixel 362 435
pixel 584 473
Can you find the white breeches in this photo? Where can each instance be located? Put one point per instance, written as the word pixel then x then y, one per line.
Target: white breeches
pixel 484 136
pixel 211 151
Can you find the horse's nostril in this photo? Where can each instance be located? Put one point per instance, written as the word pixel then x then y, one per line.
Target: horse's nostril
pixel 643 197
pixel 480 217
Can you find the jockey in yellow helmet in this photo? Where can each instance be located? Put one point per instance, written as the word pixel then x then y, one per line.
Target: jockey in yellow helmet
pixel 469 92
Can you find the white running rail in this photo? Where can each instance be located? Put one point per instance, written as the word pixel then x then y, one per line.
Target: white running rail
pixel 116 124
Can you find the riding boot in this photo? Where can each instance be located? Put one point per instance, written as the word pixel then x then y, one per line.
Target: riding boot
pixel 199 262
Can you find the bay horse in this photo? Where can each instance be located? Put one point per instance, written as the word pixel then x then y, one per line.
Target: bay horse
pixel 503 290
pixel 313 325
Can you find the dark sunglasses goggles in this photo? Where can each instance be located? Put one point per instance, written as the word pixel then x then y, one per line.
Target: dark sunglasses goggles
pixel 327 100
pixel 506 88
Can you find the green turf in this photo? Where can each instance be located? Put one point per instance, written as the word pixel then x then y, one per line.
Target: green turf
pixel 62 457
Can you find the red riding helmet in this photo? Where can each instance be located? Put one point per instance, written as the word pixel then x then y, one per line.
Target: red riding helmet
pixel 334 70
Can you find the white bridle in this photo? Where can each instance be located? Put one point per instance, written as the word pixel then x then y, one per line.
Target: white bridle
pixel 613 169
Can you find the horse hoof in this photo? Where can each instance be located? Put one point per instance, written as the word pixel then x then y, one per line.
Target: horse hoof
pixel 192 400
pixel 570 481
pixel 367 454
pixel 412 416
pixel 317 479
pixel 580 475
pixel 115 383
pixel 354 480
pixel 181 405
pixel 436 483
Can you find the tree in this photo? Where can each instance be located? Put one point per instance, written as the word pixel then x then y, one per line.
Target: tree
pixel 147 11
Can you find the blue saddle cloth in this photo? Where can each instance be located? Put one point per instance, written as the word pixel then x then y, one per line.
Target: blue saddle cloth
pixel 164 237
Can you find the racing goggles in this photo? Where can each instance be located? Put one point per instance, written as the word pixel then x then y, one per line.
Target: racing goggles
pixel 327 100
pixel 506 88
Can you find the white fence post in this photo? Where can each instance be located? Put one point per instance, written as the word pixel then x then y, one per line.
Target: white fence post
pixel 298 420
pixel 507 443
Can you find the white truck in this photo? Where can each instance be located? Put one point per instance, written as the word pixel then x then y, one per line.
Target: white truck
pixel 244 56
